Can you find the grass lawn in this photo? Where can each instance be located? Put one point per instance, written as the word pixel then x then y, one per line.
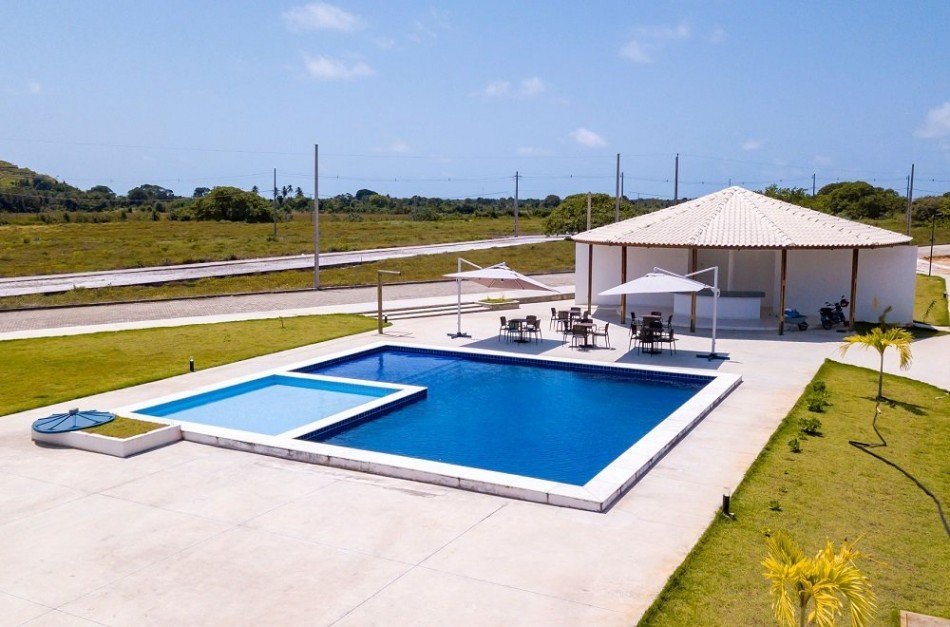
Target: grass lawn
pixel 123 428
pixel 919 230
pixel 56 248
pixel 531 258
pixel 930 300
pixel 44 371
pixel 832 491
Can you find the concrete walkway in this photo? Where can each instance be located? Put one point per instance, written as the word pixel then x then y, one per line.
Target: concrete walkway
pixel 192 534
pixel 47 284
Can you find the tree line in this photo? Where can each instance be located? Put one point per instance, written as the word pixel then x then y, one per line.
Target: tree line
pixel 26 192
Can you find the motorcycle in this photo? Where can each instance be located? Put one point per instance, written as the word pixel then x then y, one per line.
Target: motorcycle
pixel 833 313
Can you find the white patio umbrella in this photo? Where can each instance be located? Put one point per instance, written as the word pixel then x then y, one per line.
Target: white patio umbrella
pixel 662 281
pixel 498 276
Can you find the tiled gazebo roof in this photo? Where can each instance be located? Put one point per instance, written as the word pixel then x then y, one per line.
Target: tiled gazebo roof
pixel 738 218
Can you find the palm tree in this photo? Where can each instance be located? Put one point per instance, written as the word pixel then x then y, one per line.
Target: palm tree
pixel 816 587
pixel 880 339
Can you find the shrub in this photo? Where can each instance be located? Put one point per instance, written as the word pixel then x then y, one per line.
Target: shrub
pixel 810 426
pixel 794 445
pixel 775 506
pixel 817 398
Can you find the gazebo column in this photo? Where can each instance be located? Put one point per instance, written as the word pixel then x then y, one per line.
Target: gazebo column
pixel 623 279
pixel 781 292
pixel 693 263
pixel 590 277
pixel 854 286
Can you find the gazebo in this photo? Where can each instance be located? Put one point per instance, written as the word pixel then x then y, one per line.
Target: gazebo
pixel 771 255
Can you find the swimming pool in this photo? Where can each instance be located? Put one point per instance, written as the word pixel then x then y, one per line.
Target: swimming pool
pixel 531 419
pixel 558 431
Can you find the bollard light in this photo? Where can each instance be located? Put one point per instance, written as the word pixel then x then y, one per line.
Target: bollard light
pixel 191 364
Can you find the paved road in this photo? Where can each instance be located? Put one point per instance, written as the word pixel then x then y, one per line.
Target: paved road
pixel 242 306
pixel 17 286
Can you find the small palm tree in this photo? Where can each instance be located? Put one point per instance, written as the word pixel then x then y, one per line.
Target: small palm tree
pixel 816 588
pixel 880 339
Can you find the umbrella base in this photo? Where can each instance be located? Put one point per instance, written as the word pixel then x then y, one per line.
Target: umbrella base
pixel 711 356
pixel 458 335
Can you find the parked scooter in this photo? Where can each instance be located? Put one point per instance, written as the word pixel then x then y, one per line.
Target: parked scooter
pixel 833 313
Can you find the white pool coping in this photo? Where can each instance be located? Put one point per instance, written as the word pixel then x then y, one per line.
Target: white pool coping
pixel 597 495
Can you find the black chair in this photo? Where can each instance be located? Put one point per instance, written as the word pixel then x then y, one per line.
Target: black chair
pixel 604 334
pixel 633 317
pixel 646 338
pixel 514 330
pixel 669 323
pixel 667 338
pixel 553 318
pixel 533 326
pixel 578 331
pixel 633 335
pixel 503 328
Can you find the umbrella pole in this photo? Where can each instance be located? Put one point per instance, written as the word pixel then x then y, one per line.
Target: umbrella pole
pixel 458 316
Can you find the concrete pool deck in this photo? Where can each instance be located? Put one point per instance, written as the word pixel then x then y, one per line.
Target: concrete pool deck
pixel 196 534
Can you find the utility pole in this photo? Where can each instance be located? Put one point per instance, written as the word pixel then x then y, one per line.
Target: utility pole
pixel 676 179
pixel 588 211
pixel 516 203
pixel 813 184
pixel 316 216
pixel 275 203
pixel 617 206
pixel 910 196
pixel 621 185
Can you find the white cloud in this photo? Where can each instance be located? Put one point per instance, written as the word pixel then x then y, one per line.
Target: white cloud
pixel 587 138
pixel 718 36
pixel 532 86
pixel 680 31
pixel 421 33
pixel 385 43
pixel 751 145
pixel 329 69
pixel 636 52
pixel 937 123
pixel 321 16
pixel 527 88
pixel 648 40
pixel 33 88
pixel 399 147
pixel 496 88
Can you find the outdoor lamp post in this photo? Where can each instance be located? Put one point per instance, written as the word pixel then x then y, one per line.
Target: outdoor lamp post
pixel 379 297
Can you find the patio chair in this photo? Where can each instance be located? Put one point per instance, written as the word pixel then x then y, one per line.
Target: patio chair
pixel 533 326
pixel 633 335
pixel 563 321
pixel 669 323
pixel 667 338
pixel 514 330
pixel 578 331
pixel 646 338
pixel 553 318
pixel 503 328
pixel 604 334
pixel 633 317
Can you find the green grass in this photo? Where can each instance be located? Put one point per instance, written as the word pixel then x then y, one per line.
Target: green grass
pixel 930 301
pixel 919 231
pixel 44 371
pixel 531 258
pixel 832 491
pixel 57 248
pixel 123 428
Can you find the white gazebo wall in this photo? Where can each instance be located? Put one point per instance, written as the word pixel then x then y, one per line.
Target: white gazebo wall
pixel 753 270
pixel 639 262
pixel 885 278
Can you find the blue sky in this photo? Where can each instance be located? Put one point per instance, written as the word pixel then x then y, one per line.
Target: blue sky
pixel 451 99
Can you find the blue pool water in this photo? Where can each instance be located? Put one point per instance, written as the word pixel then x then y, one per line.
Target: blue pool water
pixel 269 405
pixel 548 422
